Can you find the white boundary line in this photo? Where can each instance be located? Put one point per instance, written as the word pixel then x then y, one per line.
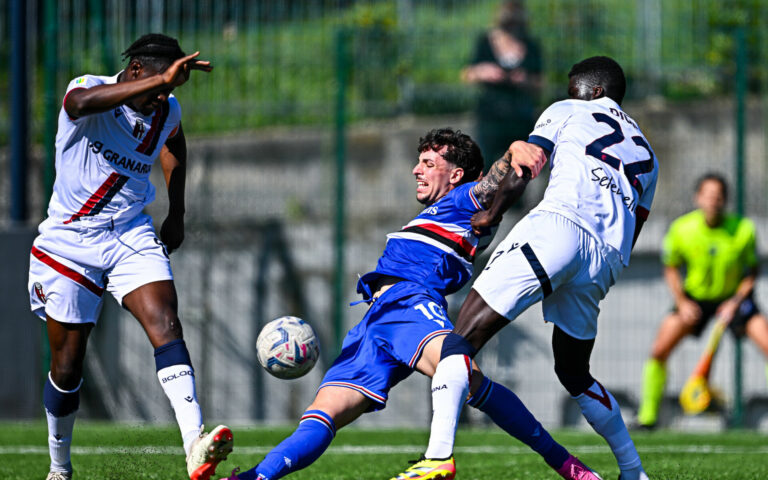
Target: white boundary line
pixel 390 449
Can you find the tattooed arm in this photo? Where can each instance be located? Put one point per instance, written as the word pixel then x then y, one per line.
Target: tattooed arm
pixel 486 188
pixel 508 192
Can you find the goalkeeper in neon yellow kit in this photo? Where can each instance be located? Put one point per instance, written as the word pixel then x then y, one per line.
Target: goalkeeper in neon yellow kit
pixel 717 250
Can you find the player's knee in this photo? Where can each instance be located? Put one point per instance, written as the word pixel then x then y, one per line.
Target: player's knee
pixel 456 345
pixel 66 376
pixel 576 382
pixel 164 326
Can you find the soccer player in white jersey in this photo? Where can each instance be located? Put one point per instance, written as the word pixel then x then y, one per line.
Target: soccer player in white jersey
pixel 96 238
pixel 565 253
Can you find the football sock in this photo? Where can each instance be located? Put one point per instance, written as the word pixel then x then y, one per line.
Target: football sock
pixel 654 378
pixel 176 376
pixel 450 386
pixel 508 412
pixel 315 432
pixel 60 411
pixel 602 412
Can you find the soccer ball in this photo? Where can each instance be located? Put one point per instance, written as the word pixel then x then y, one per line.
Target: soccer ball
pixel 287 347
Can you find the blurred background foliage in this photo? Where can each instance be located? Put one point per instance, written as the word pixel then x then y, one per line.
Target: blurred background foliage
pixel 277 62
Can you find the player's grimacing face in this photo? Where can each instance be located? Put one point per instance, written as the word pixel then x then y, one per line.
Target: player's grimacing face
pixel 435 176
pixel 711 199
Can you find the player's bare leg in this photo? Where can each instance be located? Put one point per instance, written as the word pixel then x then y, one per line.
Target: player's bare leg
pixel 597 404
pixel 61 395
pixel 343 405
pixel 671 331
pixel 757 330
pixel 155 306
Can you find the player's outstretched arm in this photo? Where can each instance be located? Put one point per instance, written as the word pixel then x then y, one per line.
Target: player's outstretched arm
pixel 173 160
pixel 98 99
pixel 509 191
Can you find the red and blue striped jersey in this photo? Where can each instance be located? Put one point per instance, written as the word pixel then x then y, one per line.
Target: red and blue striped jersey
pixel 437 248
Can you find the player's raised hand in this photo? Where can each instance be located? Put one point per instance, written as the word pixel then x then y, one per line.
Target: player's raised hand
pixel 178 72
pixel 523 154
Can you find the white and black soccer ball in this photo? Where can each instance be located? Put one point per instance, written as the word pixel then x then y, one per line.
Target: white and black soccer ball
pixel 287 347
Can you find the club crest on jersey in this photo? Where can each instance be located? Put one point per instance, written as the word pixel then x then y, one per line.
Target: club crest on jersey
pixel 138 129
pixel 39 292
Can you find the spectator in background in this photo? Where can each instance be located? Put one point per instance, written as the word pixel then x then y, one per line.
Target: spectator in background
pixel 507 65
pixel 717 250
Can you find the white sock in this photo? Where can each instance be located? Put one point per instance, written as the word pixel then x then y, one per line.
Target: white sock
pixel 602 412
pixel 178 382
pixel 450 386
pixel 60 441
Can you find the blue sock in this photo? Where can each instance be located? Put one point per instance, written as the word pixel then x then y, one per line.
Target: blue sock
pixel 58 402
pixel 508 412
pixel 306 444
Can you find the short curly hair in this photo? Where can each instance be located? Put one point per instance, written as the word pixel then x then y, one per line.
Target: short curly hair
pixel 462 150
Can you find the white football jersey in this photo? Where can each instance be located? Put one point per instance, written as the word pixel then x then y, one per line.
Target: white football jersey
pixel 603 171
pixel 103 160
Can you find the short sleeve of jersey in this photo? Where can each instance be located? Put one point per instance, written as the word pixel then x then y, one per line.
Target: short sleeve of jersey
pixel 646 199
pixel 670 252
pixel 174 115
pixel 465 199
pixel 85 81
pixel 548 125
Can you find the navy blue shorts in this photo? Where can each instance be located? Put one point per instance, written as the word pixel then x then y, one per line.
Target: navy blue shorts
pixel 747 309
pixel 385 346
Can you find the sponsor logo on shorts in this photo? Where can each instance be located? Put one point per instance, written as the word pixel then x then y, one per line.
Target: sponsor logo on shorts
pixel 39 292
pixel 439 387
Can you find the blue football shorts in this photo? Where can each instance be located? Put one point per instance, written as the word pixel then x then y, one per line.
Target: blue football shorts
pixel 385 346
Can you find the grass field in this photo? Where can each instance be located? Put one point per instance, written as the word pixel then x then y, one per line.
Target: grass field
pixel 109 451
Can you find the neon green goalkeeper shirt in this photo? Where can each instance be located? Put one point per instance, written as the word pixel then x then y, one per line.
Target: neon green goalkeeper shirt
pixel 715 259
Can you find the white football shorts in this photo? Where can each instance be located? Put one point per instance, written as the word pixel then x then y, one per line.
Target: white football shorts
pixel 72 265
pixel 548 257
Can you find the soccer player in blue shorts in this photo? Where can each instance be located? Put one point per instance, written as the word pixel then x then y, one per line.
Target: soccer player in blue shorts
pixel 404 327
